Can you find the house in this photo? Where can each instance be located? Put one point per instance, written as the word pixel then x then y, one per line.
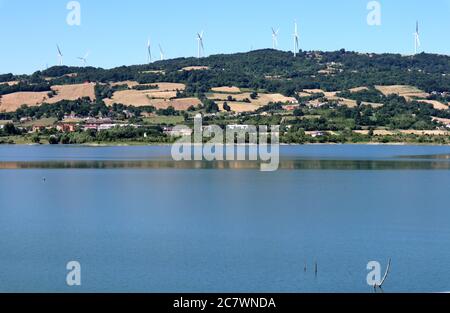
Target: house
pixel 90 127
pixel 316 134
pixel 177 133
pixel 106 126
pixel 291 107
pixel 238 127
pixel 37 128
pixel 25 119
pixel 66 127
pixel 94 124
pixel 128 114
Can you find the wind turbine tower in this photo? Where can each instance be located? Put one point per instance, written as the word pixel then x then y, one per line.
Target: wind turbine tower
pixel 201 47
pixel 60 56
pixel 161 52
pixel 296 39
pixel 416 38
pixel 275 38
pixel 149 51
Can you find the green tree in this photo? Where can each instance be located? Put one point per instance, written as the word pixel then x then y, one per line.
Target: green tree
pixel 10 130
pixel 226 107
pixel 35 138
pixel 53 140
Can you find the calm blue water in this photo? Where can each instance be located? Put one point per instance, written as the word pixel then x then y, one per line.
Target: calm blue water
pixel 158 227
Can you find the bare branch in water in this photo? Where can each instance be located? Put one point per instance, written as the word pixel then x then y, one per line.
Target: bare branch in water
pixel 380 286
pixel 386 274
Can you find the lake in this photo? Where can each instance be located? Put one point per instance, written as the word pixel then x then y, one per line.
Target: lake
pixel 137 221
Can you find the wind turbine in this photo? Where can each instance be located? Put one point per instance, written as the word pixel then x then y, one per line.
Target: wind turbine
pixel 201 47
pixel 275 38
pixel 149 52
pixel 161 52
pixel 296 39
pixel 84 59
pixel 416 38
pixel 60 56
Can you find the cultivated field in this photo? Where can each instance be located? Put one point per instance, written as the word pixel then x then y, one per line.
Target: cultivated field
pixel 313 91
pixel 436 104
pixel 332 96
pixel 162 94
pixel 161 97
pixel 239 107
pixel 11 83
pixel 445 121
pixel 129 83
pixel 195 68
pixel 154 72
pixel 72 92
pixel 405 132
pixel 129 97
pixel 169 86
pixel 162 86
pixel 264 99
pixel 408 92
pixel 160 100
pixel 227 89
pixel 357 89
pixel 224 96
pixel 181 104
pixel 303 94
pixel 11 102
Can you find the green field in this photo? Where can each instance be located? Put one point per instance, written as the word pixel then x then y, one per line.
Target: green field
pixel 20 140
pixel 164 120
pixel 4 122
pixel 42 122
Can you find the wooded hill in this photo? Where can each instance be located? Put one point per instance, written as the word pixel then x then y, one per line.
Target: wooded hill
pixel 270 70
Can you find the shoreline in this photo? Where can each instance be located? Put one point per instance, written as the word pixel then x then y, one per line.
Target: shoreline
pixel 101 145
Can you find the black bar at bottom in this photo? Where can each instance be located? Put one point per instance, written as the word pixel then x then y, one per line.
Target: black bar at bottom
pixel 224 302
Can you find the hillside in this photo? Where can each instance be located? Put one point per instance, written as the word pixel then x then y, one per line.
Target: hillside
pixel 316 91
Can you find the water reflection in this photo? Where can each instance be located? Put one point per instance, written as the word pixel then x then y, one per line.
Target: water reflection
pixel 428 157
pixel 403 164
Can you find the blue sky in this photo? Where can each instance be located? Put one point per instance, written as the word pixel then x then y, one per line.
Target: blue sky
pixel 116 31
